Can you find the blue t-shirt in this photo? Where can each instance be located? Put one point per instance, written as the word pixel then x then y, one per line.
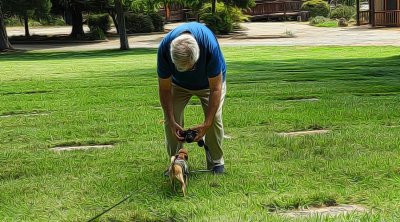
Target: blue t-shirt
pixel 210 63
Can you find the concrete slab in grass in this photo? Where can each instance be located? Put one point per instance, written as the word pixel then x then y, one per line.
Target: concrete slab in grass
pixel 303 133
pixel 83 147
pixel 324 211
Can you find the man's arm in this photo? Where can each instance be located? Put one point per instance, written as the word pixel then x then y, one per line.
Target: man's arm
pixel 164 91
pixel 214 101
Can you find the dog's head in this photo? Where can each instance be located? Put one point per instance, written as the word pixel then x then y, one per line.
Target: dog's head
pixel 182 154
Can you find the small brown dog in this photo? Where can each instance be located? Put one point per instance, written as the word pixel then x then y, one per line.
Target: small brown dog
pixel 179 170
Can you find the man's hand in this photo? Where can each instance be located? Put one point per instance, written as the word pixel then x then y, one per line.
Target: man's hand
pixel 177 131
pixel 201 131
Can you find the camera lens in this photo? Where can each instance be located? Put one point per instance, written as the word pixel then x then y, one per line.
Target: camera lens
pixel 189 138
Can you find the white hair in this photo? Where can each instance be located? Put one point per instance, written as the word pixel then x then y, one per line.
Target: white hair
pixel 184 52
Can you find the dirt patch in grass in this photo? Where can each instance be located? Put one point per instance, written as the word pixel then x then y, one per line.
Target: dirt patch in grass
pixel 324 211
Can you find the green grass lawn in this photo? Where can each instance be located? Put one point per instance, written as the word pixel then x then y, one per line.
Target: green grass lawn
pixel 110 97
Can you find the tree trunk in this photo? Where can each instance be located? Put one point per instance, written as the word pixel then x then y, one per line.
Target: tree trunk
pixel 121 25
pixel 167 11
pixel 77 23
pixel 358 12
pixel 26 20
pixel 113 16
pixel 4 43
pixel 213 3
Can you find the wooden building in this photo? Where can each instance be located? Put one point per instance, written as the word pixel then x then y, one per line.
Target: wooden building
pixel 379 13
pixel 177 13
pixel 264 9
pixel 281 9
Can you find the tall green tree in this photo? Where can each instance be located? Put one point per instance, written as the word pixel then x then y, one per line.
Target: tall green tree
pixel 4 43
pixel 27 9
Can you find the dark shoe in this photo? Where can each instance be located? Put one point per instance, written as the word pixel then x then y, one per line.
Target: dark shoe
pixel 218 169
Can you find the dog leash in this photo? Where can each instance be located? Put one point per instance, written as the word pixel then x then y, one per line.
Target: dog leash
pixel 200 171
pixel 110 208
pixel 201 143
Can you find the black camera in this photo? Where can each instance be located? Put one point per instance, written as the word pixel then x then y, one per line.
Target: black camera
pixel 189 135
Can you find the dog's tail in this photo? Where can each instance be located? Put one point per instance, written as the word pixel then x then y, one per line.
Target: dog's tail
pixel 173 159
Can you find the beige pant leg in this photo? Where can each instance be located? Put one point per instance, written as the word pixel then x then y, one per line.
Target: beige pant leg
pixel 180 98
pixel 215 134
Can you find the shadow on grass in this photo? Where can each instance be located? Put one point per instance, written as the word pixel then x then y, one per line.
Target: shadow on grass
pixel 38 56
pixel 357 70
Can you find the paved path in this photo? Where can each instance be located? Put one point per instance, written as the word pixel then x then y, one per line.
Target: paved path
pixel 254 34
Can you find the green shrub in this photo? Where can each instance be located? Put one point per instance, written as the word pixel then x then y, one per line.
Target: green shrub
pixel 321 21
pixel 101 21
pixel 97 33
pixel 318 20
pixel 139 23
pixel 316 8
pixel 53 21
pixel 217 23
pixel 158 21
pixel 13 21
pixel 33 23
pixel 346 2
pixel 342 11
pixel 49 21
pixel 224 20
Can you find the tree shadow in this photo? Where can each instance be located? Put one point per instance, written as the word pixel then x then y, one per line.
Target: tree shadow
pixel 20 55
pixel 315 70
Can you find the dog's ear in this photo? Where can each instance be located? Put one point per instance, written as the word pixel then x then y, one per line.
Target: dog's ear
pixel 186 157
pixel 176 156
